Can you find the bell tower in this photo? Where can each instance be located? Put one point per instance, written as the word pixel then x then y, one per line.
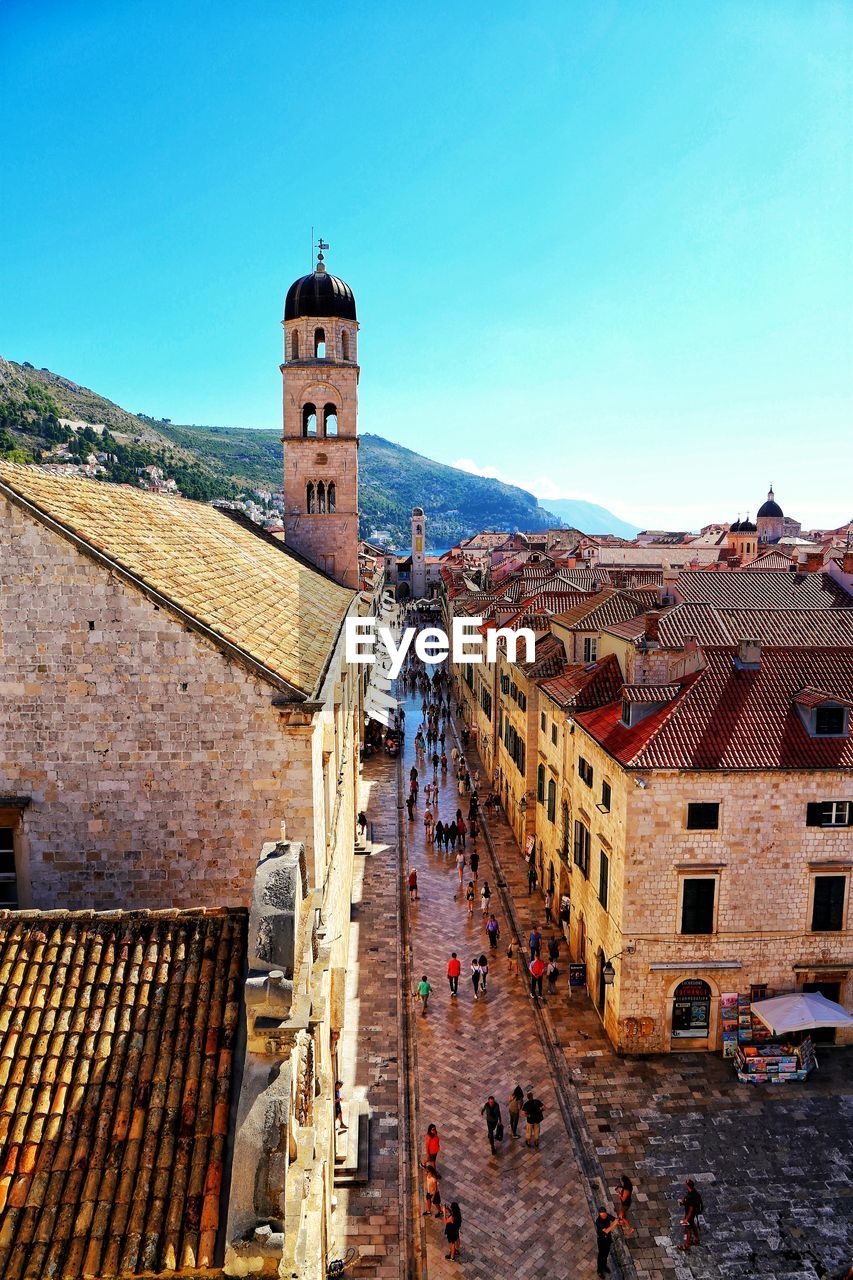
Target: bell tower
pixel 419 583
pixel 320 415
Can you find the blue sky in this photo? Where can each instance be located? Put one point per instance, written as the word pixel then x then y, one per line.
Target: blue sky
pixel 601 249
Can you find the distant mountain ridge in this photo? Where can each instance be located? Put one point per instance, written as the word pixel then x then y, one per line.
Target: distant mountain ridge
pixel 590 517
pixel 230 462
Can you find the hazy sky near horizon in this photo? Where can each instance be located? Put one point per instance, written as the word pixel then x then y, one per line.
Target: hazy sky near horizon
pixel 600 249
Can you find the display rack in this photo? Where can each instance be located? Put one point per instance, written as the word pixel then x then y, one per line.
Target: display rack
pixel 774 1063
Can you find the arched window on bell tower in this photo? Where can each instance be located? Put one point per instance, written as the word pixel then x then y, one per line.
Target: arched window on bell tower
pixel 309 499
pixel 294 346
pixel 319 344
pixel 344 345
pixel 309 420
pixel 330 496
pixel 330 420
pixel 321 498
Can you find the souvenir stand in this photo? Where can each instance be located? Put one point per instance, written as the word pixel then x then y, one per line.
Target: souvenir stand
pixel 758 1057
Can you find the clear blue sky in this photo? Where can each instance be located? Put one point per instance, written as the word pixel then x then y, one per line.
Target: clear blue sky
pixel 601 248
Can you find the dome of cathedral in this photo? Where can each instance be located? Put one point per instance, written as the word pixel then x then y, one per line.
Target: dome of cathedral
pixel 319 294
pixel 742 526
pixel 770 507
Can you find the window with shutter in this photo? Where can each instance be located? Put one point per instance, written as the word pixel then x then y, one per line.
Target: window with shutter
pixel 552 800
pixel 540 784
pixel 828 903
pixel 603 877
pixel 697 904
pixel 8 870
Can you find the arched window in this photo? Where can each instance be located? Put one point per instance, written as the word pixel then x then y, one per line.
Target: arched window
pixel 418 529
pixel 552 800
pixel 330 496
pixel 294 347
pixel 309 420
pixel 319 344
pixel 309 499
pixel 330 420
pixel 344 345
pixel 540 784
pixel 321 498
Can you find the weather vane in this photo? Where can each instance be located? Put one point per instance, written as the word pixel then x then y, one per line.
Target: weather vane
pixel 322 244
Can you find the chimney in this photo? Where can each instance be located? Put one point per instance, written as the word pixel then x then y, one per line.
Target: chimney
pixel 749 653
pixel 814 561
pixel 650 626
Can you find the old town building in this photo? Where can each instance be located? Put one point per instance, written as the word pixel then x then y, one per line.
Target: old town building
pixel 682 771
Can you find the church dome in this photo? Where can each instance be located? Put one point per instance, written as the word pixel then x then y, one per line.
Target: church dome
pixel 770 507
pixel 319 294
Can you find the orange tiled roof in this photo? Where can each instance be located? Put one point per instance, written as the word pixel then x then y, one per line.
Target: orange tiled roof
pixel 117 1036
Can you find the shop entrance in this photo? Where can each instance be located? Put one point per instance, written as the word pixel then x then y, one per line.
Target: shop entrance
pixel 691 1010
pixel 832 991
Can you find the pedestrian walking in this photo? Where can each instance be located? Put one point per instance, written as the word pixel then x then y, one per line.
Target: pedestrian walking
pixel 552 973
pixel 413 885
pixel 461 827
pixel 460 866
pixel 537 972
pixel 513 957
pixel 554 949
pixel 452 1229
pixel 514 1108
pixel 491 1110
pixel 604 1224
pixel 475 977
pixel 485 898
pixel 454 968
pixel 339 1111
pixel 474 860
pixel 424 992
pixel 362 824
pixel 535 942
pixel 548 906
pixel 534 1111
pixel 428 824
pixel 410 805
pixel 531 877
pixel 454 835
pixel 493 929
pixel 431 1190
pixel 469 897
pixel 433 1145
pixel 438 833
pixel 624 1191
pixel 693 1206
pixel 484 973
pixel 443 764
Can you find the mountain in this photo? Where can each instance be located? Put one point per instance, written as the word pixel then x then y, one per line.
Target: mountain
pixel 225 462
pixel 590 517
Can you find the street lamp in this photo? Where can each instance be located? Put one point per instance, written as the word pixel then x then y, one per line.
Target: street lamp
pixel 608 973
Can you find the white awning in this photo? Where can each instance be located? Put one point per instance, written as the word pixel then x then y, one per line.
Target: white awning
pixel 800 1012
pixel 376 712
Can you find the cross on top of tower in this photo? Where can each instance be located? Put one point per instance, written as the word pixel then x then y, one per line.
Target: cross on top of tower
pixel 321 245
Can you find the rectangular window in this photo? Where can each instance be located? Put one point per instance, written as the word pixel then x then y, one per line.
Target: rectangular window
pixel 582 848
pixel 486 701
pixel 554 734
pixel 829 722
pixel 830 813
pixel 703 817
pixel 522 701
pixel 697 905
pixel 828 903
pixel 606 796
pixel 603 877
pixel 8 871
pixel 543 722
pixel 590 648
pixel 469 675
pixel 552 800
pixel 585 771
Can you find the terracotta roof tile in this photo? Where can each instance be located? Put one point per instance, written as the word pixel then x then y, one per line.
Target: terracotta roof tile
pixel 728 718
pixel 757 589
pixel 246 589
pixel 580 686
pixel 646 693
pixel 110 1102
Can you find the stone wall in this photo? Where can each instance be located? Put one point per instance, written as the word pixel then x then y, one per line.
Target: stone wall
pixel 156 766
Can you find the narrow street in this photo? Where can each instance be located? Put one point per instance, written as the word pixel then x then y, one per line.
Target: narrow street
pixel 525 1211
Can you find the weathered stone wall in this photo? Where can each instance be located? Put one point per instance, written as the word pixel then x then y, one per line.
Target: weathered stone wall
pixel 157 767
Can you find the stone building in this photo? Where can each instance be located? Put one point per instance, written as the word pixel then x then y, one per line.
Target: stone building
pixel 173 692
pixel 320 390
pixel 686 777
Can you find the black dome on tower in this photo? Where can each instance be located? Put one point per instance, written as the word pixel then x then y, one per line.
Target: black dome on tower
pixel 770 507
pixel 319 294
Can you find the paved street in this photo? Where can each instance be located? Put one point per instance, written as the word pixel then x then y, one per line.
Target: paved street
pixel 774 1164
pixel 525 1212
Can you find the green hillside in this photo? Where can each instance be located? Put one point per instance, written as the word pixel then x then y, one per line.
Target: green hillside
pixel 224 462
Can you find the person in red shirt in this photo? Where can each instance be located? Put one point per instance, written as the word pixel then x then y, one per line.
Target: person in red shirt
pixel 454 968
pixel 432 1145
pixel 413 884
pixel 537 970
